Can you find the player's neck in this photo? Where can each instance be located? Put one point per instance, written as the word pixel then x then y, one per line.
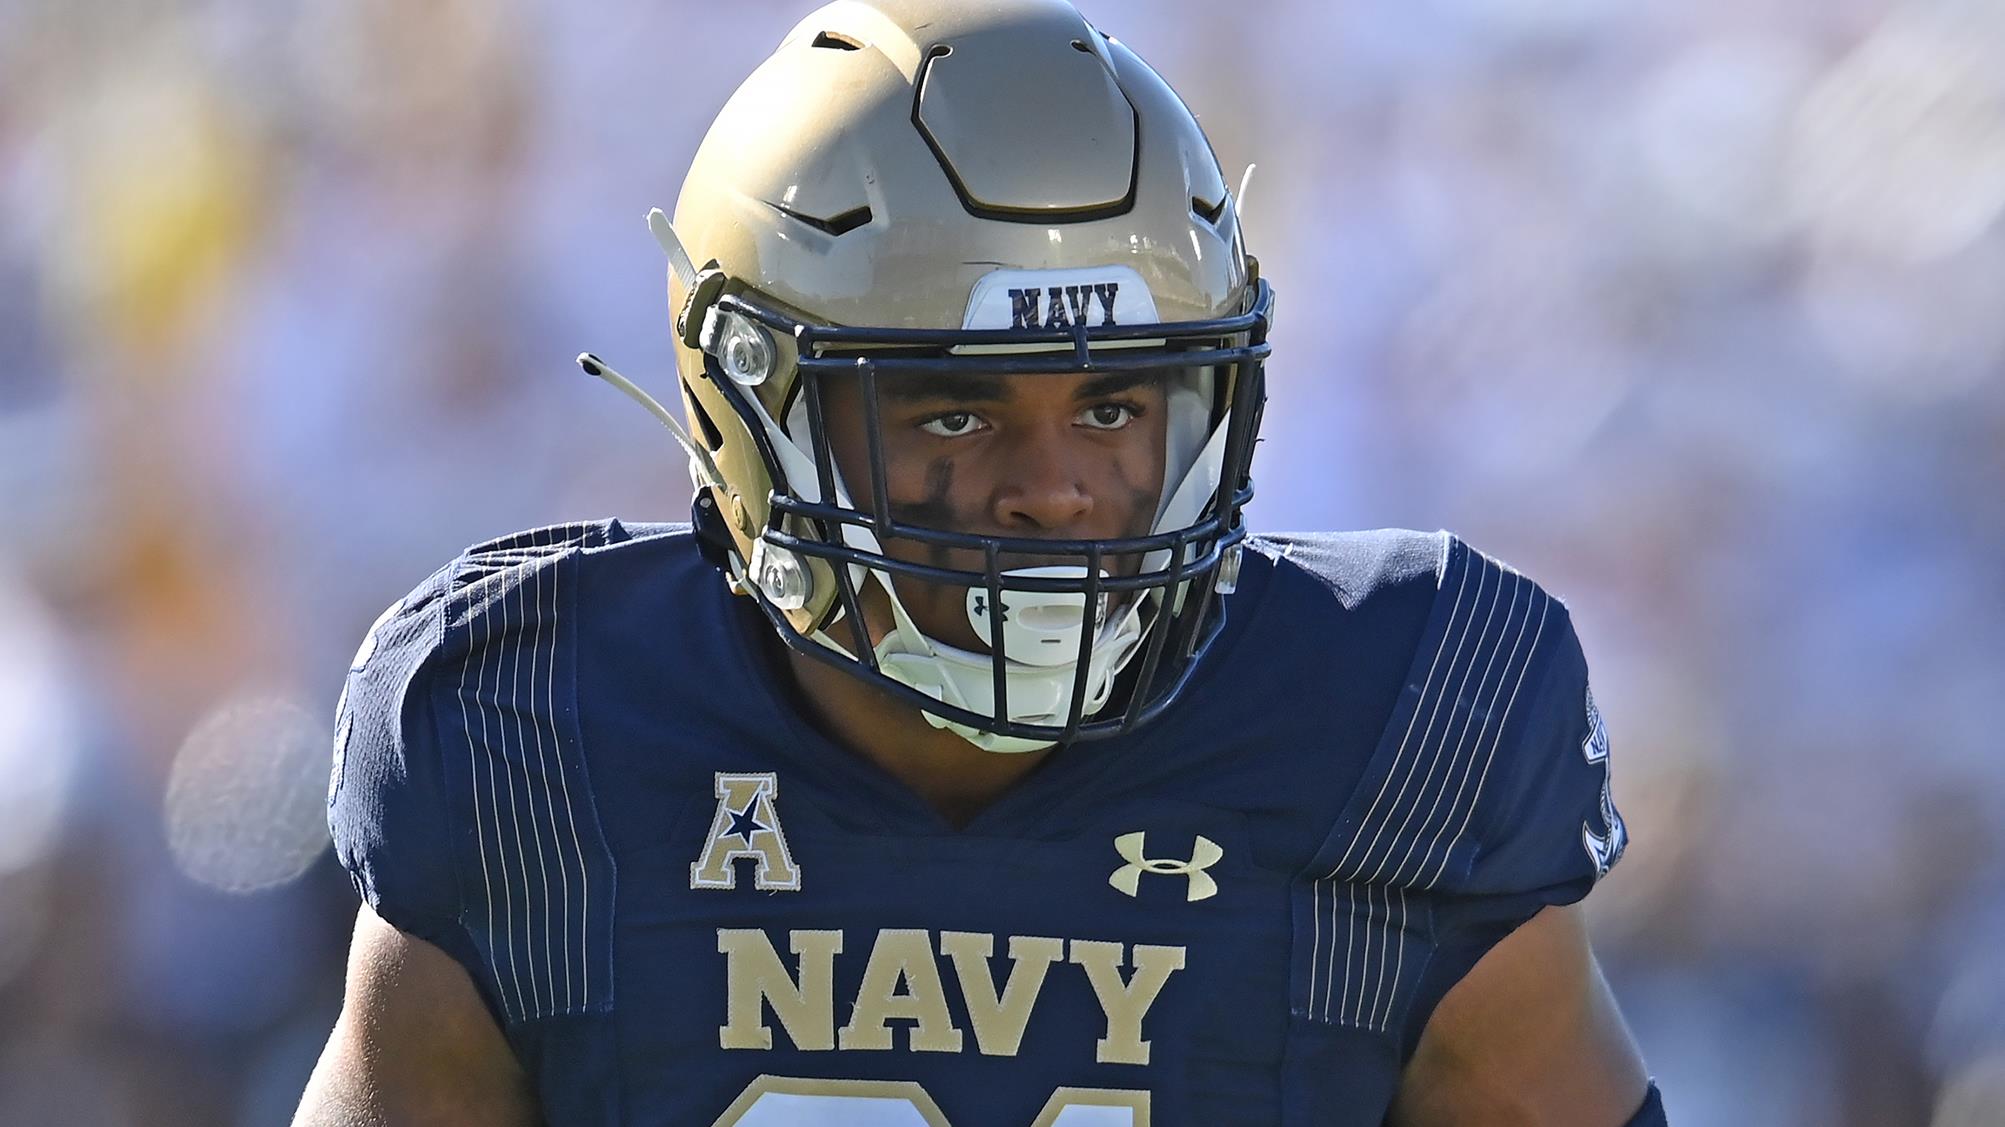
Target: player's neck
pixel 955 777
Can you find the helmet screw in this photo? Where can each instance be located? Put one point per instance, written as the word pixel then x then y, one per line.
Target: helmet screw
pixel 781 575
pixel 743 349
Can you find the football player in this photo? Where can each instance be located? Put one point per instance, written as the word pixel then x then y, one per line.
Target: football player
pixel 967 760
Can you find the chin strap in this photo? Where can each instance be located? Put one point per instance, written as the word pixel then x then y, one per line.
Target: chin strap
pixel 1038 694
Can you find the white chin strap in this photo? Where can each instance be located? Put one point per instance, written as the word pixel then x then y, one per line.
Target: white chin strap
pixel 1040 631
pixel 1044 628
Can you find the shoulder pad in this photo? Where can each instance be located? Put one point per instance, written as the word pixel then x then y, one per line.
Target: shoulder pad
pixel 555 540
pixel 384 801
pixel 460 804
pixel 1357 565
pixel 1492 774
pixel 1486 799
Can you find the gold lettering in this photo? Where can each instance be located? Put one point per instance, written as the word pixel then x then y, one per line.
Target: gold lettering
pixel 902 957
pixel 1125 1004
pixel 999 1020
pixel 755 978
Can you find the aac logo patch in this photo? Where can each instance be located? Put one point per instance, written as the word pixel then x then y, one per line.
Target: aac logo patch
pixel 1204 854
pixel 746 825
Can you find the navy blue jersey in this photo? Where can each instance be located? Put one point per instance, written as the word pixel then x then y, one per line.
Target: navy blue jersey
pixel 569 760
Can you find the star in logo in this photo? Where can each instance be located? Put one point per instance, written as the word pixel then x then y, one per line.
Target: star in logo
pixel 744 825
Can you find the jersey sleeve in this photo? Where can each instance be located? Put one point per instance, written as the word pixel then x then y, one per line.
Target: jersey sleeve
pixel 1485 800
pixel 1545 828
pixel 1489 782
pixel 386 807
pixel 461 804
pixel 1550 829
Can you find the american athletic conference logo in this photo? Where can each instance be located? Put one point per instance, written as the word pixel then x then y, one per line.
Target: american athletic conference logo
pixel 1204 854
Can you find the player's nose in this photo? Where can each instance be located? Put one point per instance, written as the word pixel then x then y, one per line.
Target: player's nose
pixel 1044 490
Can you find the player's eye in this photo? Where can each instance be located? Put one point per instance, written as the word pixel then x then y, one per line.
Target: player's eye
pixel 1108 416
pixel 953 424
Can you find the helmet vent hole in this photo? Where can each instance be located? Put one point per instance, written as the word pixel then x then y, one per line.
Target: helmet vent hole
pixel 940 51
pixel 836 41
pixel 848 221
pixel 835 226
pixel 1080 46
pixel 712 437
pixel 1209 212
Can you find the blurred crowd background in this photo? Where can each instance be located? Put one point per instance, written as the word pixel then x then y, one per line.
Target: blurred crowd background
pixel 1695 309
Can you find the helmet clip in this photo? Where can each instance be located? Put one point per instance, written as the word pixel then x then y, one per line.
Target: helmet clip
pixel 781 575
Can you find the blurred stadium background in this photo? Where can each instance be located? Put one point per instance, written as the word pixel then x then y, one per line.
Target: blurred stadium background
pixel 1694 309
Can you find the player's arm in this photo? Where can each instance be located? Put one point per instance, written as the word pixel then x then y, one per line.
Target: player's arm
pixel 414 1046
pixel 1531 1035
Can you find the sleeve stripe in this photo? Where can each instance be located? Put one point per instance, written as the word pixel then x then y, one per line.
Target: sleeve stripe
pixel 1488 712
pixel 1545 609
pixel 536 944
pixel 475 759
pixel 1427 784
pixel 1429 688
pixel 520 711
pixel 535 725
pixel 1427 814
pixel 479 828
pixel 1317 959
pixel 570 819
pixel 1460 589
pixel 508 716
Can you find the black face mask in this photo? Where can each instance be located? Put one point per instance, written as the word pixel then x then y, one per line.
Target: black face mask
pixel 1175 575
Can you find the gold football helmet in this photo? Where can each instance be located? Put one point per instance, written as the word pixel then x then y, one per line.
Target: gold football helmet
pixel 934 186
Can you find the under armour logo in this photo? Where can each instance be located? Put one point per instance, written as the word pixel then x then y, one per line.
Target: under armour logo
pixel 1204 854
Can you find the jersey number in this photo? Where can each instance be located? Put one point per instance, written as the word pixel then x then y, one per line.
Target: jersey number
pixel 785 1101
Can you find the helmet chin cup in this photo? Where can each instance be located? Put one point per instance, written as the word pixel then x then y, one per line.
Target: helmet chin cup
pixel 1038 694
pixel 781 575
pixel 1039 628
pixel 993 741
pixel 924 675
